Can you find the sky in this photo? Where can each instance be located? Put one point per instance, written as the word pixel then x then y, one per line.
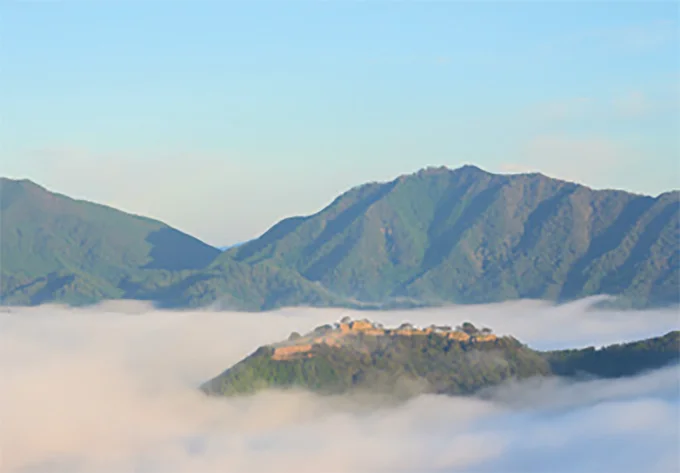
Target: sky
pixel 222 117
pixel 121 383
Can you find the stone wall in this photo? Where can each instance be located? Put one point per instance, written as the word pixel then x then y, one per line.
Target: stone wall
pixel 284 353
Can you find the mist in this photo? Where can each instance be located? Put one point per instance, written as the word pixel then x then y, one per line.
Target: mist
pixel 113 388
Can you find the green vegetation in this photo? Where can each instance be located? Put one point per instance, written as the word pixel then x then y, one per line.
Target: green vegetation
pixel 617 360
pixel 54 248
pixel 468 236
pixel 437 236
pixel 405 365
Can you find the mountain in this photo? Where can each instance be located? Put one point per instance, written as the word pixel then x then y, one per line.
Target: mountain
pixel 231 285
pixel 53 247
pixel 434 237
pixel 58 249
pixel 469 236
pixel 359 356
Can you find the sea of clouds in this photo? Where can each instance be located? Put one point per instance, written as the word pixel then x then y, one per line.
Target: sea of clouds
pixel 114 389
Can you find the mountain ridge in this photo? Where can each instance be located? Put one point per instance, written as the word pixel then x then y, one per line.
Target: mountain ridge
pixel 436 236
pixel 367 198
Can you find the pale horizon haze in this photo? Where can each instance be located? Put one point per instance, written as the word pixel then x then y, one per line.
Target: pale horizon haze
pixel 221 118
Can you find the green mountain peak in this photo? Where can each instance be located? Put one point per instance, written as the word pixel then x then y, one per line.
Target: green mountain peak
pixel 436 236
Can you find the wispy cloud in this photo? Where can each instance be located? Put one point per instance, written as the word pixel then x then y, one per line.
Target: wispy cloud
pixel 414 60
pixel 561 110
pixel 592 139
pixel 639 38
pixel 113 388
pixel 631 39
pixel 569 157
pixel 632 105
pixel 563 148
pixel 637 106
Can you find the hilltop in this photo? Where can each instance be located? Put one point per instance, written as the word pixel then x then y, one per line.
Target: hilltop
pixel 434 237
pixel 352 356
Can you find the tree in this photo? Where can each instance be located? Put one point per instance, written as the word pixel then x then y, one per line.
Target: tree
pixel 323 329
pixel 469 328
pixel 294 336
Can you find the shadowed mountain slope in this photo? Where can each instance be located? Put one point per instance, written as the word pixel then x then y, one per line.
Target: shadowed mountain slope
pixel 53 247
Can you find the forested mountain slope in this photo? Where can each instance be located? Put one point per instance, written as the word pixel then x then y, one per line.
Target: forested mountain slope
pixel 469 236
pixel 53 247
pixel 434 237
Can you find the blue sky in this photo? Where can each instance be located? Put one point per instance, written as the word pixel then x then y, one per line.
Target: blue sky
pixel 222 117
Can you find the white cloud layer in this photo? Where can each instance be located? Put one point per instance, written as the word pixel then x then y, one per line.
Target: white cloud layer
pixel 113 389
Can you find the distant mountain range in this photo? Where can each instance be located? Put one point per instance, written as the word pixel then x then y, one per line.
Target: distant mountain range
pixel 361 356
pixel 433 237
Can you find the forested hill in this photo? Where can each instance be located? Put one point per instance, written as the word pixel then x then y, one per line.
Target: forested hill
pixel 55 248
pixel 362 356
pixel 434 237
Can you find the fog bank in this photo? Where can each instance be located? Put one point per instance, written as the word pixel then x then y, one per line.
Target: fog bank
pixel 113 388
